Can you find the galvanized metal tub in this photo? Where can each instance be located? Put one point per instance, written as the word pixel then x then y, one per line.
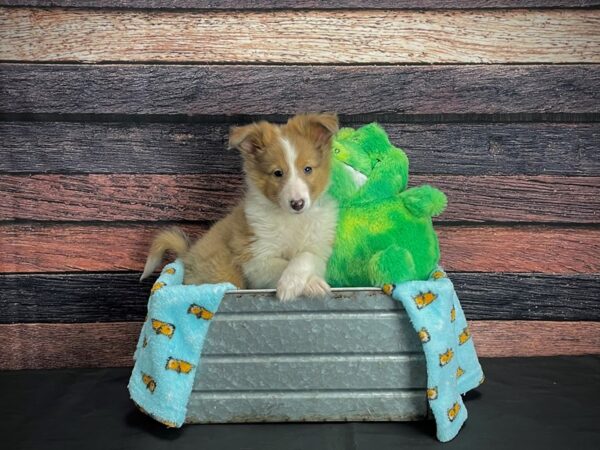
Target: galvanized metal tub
pixel 351 357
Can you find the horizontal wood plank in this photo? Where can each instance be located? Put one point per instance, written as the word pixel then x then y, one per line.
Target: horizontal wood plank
pixel 102 297
pixel 78 248
pixel 117 147
pixel 30 248
pixel 522 338
pixel 304 4
pixel 119 197
pixel 528 249
pixel 207 197
pixel 50 346
pixel 302 36
pixel 518 199
pixel 385 91
pixel 45 346
pixel 457 149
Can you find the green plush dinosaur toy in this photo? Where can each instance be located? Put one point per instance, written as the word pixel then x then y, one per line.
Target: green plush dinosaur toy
pixel 384 233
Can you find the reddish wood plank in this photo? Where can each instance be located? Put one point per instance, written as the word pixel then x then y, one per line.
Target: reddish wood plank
pixel 37 346
pixel 519 198
pixel 44 346
pixel 496 338
pixel 207 197
pixel 302 4
pixel 118 197
pixel 32 248
pixel 527 249
pixel 78 248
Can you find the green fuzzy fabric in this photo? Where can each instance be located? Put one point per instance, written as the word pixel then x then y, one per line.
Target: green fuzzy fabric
pixel 384 233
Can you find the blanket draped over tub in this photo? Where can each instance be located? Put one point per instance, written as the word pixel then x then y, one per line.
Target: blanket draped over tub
pixel 170 344
pixel 452 365
pixel 169 349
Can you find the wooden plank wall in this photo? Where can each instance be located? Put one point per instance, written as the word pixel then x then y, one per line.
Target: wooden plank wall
pixel 114 117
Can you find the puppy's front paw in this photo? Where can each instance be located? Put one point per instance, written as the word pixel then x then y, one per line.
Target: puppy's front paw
pixel 289 288
pixel 316 287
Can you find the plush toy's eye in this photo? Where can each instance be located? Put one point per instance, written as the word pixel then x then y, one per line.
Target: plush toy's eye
pixel 307 170
pixel 336 151
pixel 278 173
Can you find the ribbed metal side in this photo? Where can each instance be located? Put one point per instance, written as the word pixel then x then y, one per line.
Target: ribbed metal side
pixel 353 357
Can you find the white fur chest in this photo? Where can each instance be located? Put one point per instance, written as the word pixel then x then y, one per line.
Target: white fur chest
pixel 281 234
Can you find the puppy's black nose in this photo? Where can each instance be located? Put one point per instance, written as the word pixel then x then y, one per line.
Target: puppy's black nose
pixel 297 205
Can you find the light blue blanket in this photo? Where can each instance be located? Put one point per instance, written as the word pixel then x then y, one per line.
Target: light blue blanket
pixel 452 364
pixel 170 346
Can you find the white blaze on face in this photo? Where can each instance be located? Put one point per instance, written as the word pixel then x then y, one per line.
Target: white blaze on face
pixel 295 187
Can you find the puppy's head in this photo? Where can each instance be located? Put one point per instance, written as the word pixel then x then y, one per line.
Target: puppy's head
pixel 288 163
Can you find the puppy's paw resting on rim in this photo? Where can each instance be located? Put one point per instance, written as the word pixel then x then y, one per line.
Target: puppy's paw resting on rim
pixel 293 286
pixel 290 286
pixel 316 287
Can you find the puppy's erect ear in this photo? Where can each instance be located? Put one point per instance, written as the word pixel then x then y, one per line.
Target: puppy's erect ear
pixel 250 139
pixel 320 128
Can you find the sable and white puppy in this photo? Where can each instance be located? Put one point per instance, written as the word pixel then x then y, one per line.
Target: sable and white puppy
pixel 281 233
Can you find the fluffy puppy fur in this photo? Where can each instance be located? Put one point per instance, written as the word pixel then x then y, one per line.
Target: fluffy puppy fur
pixel 281 233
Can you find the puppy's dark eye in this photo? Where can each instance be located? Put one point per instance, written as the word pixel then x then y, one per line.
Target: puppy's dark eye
pixel 278 173
pixel 307 170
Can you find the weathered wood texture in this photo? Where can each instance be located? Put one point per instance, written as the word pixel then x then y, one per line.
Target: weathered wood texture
pixel 74 248
pixel 522 338
pixel 38 346
pixel 510 249
pixel 457 149
pixel 305 36
pixel 120 297
pixel 302 4
pixel 207 197
pixel 96 158
pixel 34 346
pixel 367 92
pixel 518 199
pixel 31 248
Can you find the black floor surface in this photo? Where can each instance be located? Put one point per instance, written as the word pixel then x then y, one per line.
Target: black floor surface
pixel 525 403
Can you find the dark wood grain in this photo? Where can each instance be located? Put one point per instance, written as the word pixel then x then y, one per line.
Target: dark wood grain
pixel 64 147
pixel 204 197
pixel 359 90
pixel 303 4
pixel 51 346
pixel 118 297
pixel 457 149
pixel 29 248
